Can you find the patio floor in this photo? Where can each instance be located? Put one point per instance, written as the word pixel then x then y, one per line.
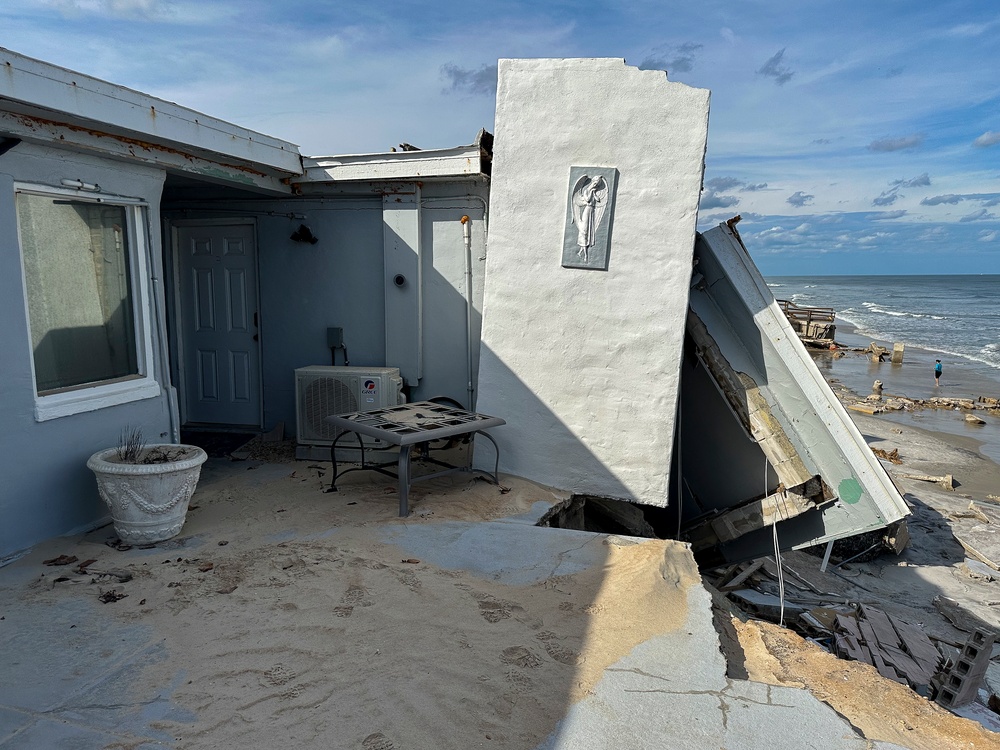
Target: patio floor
pixel 285 617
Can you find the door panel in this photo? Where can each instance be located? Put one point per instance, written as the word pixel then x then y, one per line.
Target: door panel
pixel 218 331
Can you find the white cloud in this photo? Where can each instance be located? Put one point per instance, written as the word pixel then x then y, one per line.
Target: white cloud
pixel 989 138
pixel 888 215
pixel 935 234
pixel 980 215
pixel 113 8
pixel 869 239
pixel 989 235
pixel 897 144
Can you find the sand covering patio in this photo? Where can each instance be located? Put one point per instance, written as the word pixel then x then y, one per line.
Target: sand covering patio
pixel 286 617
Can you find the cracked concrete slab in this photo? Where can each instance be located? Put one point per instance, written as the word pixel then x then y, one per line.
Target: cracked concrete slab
pixel 445 630
pixel 672 691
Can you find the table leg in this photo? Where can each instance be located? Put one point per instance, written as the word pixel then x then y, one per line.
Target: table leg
pixel 404 480
pixel 496 448
pixel 333 460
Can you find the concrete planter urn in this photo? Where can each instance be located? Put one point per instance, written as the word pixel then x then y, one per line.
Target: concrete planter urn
pixel 148 496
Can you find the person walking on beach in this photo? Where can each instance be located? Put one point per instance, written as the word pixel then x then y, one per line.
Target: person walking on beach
pixel 937 373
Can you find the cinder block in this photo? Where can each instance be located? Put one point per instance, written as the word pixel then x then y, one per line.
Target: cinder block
pixel 960 681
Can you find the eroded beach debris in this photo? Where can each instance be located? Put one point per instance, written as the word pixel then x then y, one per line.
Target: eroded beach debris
pixel 939 668
pixel 814 326
pixel 947 481
pixel 960 680
pixel 61 560
pixel 112 595
pixel 899 650
pixel 890 456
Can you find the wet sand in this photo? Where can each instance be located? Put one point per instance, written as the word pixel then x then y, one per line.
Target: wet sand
pixel 915 379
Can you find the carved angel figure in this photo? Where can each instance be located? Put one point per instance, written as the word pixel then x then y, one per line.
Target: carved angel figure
pixel 590 200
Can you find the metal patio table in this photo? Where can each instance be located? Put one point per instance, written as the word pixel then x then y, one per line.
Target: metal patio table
pixel 408 425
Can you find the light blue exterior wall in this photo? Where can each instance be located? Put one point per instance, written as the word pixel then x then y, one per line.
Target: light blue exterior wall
pixel 306 288
pixel 343 281
pixel 45 486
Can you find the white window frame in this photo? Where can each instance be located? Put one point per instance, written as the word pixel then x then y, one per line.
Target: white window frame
pixel 100 395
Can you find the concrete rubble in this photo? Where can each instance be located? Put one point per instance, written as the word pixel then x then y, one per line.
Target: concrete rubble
pixel 924 618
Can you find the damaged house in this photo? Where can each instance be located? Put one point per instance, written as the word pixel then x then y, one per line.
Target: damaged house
pixel 162 269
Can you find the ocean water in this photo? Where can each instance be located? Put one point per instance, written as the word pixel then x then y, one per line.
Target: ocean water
pixel 952 318
pixel 956 316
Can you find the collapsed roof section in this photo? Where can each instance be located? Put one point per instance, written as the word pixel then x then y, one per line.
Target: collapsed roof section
pixel 763 439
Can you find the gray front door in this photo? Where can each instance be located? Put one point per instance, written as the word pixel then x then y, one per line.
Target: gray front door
pixel 219 324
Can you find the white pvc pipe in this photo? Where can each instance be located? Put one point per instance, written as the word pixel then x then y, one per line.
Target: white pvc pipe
pixel 467 236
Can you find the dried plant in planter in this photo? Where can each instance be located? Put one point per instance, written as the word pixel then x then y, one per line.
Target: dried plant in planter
pixel 132 449
pixel 147 487
pixel 130 445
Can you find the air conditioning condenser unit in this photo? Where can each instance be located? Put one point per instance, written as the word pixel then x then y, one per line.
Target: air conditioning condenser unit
pixel 322 390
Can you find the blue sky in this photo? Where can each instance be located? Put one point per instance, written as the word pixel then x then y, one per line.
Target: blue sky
pixel 852 136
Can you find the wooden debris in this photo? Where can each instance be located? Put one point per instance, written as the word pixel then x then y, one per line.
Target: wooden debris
pixel 891 456
pixel 971 512
pixel 61 560
pixel 737 582
pixel 865 408
pixel 947 481
pixel 766 605
pixel 760 513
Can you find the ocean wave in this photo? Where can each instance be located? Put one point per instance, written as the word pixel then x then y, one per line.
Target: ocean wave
pixel 773 285
pixel 990 359
pixel 875 307
pixel 862 326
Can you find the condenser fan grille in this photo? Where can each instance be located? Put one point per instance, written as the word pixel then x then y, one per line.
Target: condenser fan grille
pixel 324 390
pixel 323 397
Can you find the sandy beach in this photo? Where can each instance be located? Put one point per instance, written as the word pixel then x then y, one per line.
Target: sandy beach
pixel 914 379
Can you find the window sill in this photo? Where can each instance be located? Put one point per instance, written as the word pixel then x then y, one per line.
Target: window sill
pixel 94 398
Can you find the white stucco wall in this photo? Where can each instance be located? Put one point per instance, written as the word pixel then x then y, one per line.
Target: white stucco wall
pixel 584 364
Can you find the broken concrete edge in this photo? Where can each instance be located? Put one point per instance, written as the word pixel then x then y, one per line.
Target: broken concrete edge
pixel 731 643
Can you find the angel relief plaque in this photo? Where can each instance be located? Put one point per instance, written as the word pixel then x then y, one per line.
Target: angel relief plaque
pixel 587 238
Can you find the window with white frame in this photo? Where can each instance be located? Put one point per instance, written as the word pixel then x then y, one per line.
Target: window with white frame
pixel 83 261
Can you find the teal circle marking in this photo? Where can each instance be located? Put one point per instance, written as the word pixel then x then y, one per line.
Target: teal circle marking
pixel 850 491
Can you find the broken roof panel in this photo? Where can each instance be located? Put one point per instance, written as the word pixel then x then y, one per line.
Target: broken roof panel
pixel 412 163
pixel 777 394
